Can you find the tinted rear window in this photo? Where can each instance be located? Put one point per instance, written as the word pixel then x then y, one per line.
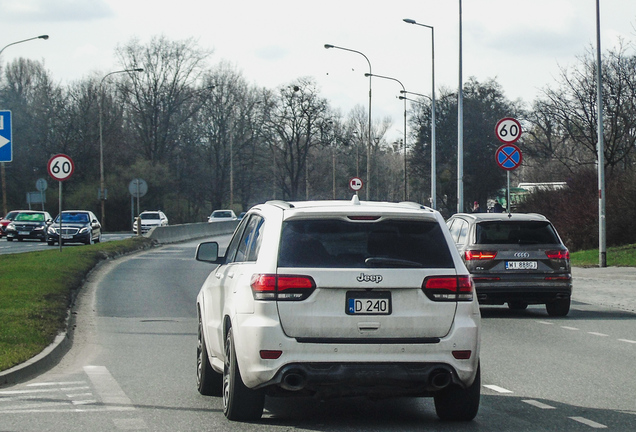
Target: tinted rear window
pixel 516 233
pixel 388 244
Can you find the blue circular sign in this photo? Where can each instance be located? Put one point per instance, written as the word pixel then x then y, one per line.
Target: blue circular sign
pixel 508 157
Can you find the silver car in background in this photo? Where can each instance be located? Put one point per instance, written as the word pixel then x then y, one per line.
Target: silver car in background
pixel 514 258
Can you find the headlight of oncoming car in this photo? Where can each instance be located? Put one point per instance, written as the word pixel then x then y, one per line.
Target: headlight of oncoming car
pixel 83 230
pixel 52 230
pixel 11 226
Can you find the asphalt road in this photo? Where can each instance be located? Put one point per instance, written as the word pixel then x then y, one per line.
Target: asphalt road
pixel 132 365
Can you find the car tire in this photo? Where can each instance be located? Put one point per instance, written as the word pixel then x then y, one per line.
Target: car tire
pixel 239 402
pixel 517 306
pixel 9 239
pixel 98 239
pixel 558 308
pixel 455 403
pixel 209 382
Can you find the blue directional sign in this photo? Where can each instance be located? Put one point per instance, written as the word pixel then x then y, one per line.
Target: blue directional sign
pixel 6 146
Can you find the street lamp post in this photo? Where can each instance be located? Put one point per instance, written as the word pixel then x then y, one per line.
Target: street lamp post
pixel 602 242
pixel 4 175
pixel 102 190
pixel 327 46
pixel 433 158
pixel 404 91
pixel 433 144
pixel 460 124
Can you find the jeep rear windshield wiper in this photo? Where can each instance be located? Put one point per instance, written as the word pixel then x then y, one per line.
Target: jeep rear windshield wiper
pixel 390 262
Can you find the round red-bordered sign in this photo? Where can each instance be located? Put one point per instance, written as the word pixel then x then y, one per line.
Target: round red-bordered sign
pixel 508 130
pixel 355 184
pixel 61 167
pixel 508 157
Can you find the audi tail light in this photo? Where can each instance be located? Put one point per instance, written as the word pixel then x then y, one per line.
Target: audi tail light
pixel 449 288
pixel 558 254
pixel 282 287
pixel 471 255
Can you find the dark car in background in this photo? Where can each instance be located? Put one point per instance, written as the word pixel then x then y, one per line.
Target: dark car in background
pixel 78 226
pixel 514 258
pixel 7 219
pixel 28 224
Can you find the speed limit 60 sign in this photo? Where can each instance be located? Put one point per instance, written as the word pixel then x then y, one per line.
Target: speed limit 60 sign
pixel 508 130
pixel 61 167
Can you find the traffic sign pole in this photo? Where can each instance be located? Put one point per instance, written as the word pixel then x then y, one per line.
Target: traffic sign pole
pixel 59 206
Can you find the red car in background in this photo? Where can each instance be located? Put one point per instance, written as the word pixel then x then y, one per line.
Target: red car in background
pixel 7 220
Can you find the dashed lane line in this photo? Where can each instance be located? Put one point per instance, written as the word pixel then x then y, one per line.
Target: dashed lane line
pixel 589 422
pixel 538 404
pixel 497 389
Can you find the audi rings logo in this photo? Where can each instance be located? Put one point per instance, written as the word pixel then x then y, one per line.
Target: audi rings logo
pixel 522 255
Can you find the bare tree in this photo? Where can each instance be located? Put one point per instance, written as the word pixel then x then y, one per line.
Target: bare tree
pixel 165 96
pixel 294 127
pixel 564 121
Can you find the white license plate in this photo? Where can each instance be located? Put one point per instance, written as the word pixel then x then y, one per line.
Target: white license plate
pixel 24 233
pixel 67 237
pixel 368 303
pixel 521 265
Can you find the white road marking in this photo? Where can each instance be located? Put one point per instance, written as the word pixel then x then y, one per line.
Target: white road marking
pixel 497 388
pixel 538 404
pixel 597 334
pixel 107 388
pixel 628 341
pixel 589 423
pixel 569 328
pixel 62 383
pixel 545 322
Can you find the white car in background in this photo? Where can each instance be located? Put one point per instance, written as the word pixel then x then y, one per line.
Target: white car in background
pixel 338 298
pixel 149 220
pixel 222 215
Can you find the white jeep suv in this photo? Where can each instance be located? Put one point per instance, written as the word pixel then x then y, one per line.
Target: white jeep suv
pixel 338 298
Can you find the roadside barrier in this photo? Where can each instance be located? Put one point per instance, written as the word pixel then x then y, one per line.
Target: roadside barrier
pixel 178 233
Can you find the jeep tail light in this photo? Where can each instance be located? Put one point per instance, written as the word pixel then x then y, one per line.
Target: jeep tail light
pixel 282 287
pixel 471 255
pixel 558 254
pixel 449 288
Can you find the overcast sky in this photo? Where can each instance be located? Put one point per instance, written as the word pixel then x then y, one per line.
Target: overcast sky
pixel 521 43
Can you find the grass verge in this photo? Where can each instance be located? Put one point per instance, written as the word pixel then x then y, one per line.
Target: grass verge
pixel 36 289
pixel 619 256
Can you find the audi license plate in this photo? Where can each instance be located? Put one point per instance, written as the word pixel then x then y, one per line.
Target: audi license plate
pixel 521 265
pixel 368 303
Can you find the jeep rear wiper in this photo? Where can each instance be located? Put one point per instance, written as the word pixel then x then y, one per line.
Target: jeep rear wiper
pixel 390 262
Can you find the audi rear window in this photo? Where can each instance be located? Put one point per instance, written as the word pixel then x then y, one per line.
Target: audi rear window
pixel 528 232
pixel 343 244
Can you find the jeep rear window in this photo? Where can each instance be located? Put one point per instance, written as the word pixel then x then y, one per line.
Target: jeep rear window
pixel 527 232
pixel 343 244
